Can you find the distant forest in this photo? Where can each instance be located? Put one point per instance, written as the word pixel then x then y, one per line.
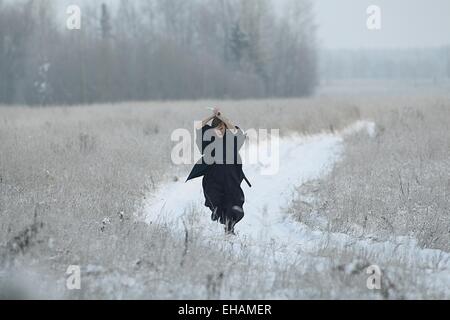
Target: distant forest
pixel 156 49
pixel 413 64
pixel 179 49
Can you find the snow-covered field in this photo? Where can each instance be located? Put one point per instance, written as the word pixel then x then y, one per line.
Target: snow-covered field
pixel 268 225
pixel 95 187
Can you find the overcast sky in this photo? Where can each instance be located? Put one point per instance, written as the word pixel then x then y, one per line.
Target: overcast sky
pixel 405 23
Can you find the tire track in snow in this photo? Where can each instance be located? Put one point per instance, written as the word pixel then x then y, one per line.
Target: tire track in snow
pixel 266 226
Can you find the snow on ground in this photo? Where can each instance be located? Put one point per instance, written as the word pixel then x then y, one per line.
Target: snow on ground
pixel 266 224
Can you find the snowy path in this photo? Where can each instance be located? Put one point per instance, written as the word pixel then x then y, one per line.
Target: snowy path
pixel 266 225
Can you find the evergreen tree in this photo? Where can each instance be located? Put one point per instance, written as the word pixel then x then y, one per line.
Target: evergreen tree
pixel 238 44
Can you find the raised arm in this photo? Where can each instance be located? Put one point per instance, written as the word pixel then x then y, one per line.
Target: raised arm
pixel 205 122
pixel 218 114
pixel 228 123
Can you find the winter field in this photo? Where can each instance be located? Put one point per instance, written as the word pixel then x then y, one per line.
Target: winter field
pixel 363 180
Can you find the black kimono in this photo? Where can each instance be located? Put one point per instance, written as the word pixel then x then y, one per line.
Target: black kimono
pixel 221 168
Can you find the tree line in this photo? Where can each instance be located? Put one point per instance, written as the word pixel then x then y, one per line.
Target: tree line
pixel 156 49
pixel 410 64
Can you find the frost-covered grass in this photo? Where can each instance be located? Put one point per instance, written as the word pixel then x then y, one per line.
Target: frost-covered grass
pixel 397 183
pixel 64 170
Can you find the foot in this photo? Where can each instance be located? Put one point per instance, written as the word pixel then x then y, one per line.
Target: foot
pixel 229 228
pixel 238 214
pixel 214 216
pixel 229 232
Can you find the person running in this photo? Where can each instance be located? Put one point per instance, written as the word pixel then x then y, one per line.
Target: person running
pixel 221 168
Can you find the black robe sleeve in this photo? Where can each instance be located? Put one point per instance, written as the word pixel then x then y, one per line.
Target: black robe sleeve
pixel 200 141
pixel 239 138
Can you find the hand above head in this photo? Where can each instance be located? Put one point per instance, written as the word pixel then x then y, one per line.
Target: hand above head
pixel 228 124
pixel 217 112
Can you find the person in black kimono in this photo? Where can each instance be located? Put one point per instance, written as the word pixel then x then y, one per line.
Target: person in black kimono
pixel 221 168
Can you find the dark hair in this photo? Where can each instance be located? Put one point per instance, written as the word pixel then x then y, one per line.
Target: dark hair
pixel 216 122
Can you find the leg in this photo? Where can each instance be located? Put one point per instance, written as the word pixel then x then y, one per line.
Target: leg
pixel 215 214
pixel 234 214
pixel 213 197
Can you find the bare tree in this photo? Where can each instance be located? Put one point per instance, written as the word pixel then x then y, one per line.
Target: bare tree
pixel 155 49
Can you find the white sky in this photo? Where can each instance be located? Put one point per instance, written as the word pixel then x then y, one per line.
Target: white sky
pixel 405 23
